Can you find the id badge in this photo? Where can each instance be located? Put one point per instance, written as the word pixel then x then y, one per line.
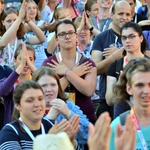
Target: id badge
pixel 72 96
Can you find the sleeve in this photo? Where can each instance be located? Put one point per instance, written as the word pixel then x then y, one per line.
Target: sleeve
pixel 98 43
pixel 9 139
pixel 82 135
pixel 112 70
pixel 49 60
pixel 120 108
pixel 8 83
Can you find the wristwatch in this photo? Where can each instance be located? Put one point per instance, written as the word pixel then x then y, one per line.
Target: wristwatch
pixel 91 29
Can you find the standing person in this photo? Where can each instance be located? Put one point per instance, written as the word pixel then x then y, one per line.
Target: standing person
pixel 135 82
pixel 33 14
pixel 134 44
pixel 12 38
pixel 91 8
pixel 76 72
pixel 135 17
pixel 107 48
pixel 24 64
pixel 30 103
pixel 58 106
pixel 102 20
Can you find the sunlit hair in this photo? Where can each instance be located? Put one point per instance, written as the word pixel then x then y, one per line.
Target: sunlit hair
pixel 137 29
pixel 58 11
pixel 47 71
pixel 134 66
pixel 19 91
pixel 56 15
pixel 19 48
pixel 21 30
pixel 37 17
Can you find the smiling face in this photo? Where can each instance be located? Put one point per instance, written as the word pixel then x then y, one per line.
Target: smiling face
pixel 32 105
pixel 105 3
pixel 8 21
pixel 50 88
pixel 32 10
pixel 121 14
pixel 133 44
pixel 140 89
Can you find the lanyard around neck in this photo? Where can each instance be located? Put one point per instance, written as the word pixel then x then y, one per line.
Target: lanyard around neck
pixel 76 61
pixel 140 134
pixel 28 130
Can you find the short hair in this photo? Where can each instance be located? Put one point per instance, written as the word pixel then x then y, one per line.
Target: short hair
pixel 47 71
pixel 137 29
pixel 64 22
pixel 19 48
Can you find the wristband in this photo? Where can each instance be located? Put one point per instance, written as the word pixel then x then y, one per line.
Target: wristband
pixel 67 71
pixel 91 29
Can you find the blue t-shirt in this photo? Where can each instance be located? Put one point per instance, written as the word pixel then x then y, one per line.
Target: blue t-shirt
pixel 139 146
pixel 102 41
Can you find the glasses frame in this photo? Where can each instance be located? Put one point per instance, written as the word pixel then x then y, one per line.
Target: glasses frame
pixel 66 34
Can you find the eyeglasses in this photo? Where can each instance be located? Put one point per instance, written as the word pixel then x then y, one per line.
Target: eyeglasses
pixel 63 35
pixel 130 37
pixel 95 9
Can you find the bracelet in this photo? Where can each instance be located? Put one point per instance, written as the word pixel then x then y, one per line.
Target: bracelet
pixel 91 29
pixel 67 71
pixel 27 20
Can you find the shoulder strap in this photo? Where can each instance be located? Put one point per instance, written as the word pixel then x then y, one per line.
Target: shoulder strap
pixel 123 117
pixel 82 59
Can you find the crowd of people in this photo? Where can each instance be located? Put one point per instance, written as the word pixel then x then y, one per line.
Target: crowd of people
pixel 56 62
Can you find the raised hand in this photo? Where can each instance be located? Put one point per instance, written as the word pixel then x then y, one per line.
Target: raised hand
pixel 129 134
pixel 99 135
pixel 60 127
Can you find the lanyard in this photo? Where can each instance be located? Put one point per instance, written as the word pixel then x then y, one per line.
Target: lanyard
pixel 106 24
pixel 98 23
pixel 11 52
pixel 140 134
pixel 135 19
pixel 28 130
pixel 76 61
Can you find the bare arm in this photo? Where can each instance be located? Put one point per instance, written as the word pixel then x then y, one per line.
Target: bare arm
pixel 13 28
pixel 66 3
pixel 41 4
pixel 110 54
pixel 52 44
pixel 39 38
pixel 111 81
pixel 83 84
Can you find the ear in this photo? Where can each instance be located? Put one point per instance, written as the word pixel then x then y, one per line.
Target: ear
pixel 17 106
pixel 141 37
pixel 129 89
pixel 111 16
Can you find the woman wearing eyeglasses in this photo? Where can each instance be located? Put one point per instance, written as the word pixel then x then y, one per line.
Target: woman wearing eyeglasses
pixel 134 45
pixel 77 73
